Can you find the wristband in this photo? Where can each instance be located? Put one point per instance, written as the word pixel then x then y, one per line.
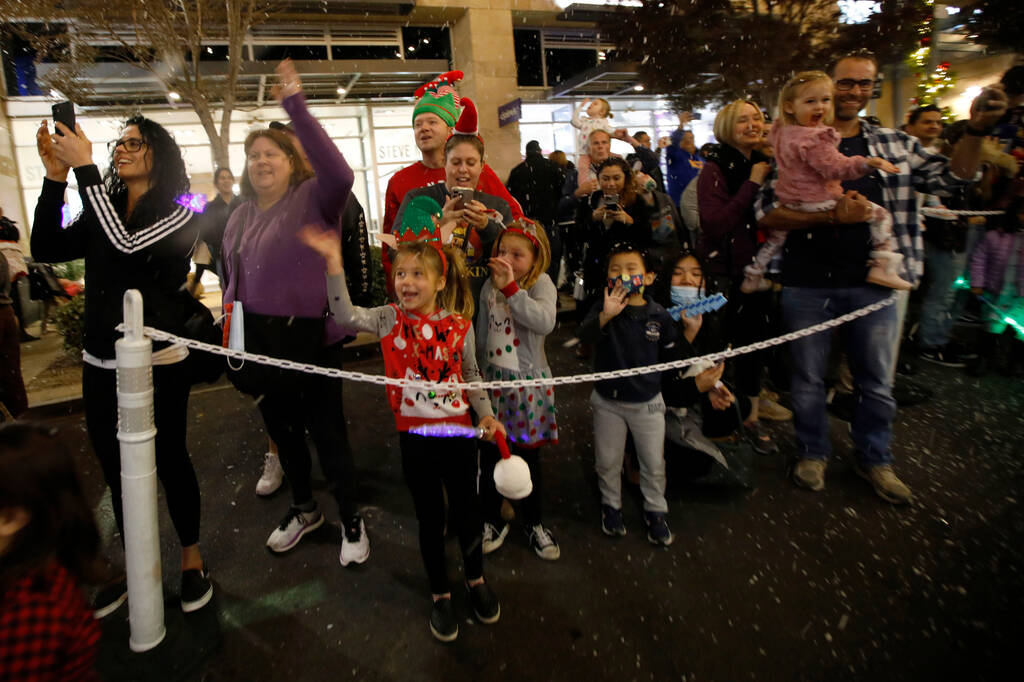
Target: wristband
pixel 977 133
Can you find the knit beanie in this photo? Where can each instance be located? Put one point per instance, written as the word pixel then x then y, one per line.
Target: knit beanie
pixel 439 97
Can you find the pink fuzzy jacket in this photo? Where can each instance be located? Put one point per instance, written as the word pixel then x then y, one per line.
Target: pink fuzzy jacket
pixel 810 164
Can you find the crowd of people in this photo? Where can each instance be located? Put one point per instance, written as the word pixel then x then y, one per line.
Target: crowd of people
pixel 819 218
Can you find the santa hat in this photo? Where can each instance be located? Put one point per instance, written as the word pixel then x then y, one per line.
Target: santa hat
pixel 439 97
pixel 467 124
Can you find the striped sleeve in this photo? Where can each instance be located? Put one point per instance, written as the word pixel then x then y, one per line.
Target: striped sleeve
pixel 95 198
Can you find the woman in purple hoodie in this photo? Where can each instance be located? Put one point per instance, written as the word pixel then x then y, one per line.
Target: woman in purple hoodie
pixel 279 282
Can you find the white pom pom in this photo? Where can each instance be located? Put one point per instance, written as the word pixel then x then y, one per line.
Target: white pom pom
pixel 512 478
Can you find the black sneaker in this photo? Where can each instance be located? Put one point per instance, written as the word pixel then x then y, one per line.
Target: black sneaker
pixel 942 355
pixel 109 598
pixel 443 624
pixel 658 532
pixel 485 603
pixel 196 589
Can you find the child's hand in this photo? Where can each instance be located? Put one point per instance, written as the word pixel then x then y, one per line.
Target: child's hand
pixel 614 301
pixel 491 428
pixel 707 379
pixel 882 165
pixel 501 272
pixel 691 325
pixel 721 397
pixel 326 243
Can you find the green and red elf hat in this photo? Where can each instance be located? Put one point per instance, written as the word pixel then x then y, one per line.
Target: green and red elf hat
pixel 421 222
pixel 439 97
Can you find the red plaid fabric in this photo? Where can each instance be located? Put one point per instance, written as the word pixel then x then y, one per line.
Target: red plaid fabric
pixel 47 631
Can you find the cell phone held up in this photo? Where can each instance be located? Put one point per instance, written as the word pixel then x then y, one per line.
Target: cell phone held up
pixel 63 112
pixel 464 195
pixel 610 200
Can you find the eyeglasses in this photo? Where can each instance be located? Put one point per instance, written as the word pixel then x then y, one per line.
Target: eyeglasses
pixel 849 83
pixel 130 144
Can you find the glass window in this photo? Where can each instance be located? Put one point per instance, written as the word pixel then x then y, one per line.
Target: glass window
pixel 529 67
pixel 564 64
pixel 395 145
pixel 276 53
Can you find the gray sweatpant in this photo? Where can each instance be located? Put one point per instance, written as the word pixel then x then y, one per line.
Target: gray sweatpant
pixel 646 421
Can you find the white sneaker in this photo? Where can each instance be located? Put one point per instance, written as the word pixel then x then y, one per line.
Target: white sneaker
pixel 493 538
pixel 355 543
pixel 273 476
pixel 293 526
pixel 543 543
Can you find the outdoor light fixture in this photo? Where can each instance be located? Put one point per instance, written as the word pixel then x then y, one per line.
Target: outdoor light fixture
pixel 173 95
pixel 638 87
pixel 342 91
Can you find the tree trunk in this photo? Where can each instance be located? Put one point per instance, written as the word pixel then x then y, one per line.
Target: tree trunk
pixel 218 140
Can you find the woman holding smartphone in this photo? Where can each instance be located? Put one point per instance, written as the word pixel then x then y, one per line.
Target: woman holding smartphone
pixel 618 212
pixel 480 217
pixel 133 235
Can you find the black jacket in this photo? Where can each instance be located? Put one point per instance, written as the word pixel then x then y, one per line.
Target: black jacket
pixel 536 184
pixel 597 240
pixel 355 252
pixel 151 258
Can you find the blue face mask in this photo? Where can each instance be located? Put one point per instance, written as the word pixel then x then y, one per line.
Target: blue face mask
pixel 684 295
pixel 632 284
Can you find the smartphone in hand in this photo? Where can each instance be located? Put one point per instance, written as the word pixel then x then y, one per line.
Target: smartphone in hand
pixel 64 112
pixel 465 195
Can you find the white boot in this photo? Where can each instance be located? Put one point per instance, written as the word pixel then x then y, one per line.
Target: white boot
pixel 883 271
pixel 273 476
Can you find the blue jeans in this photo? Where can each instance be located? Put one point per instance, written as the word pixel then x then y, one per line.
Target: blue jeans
pixel 941 306
pixel 869 342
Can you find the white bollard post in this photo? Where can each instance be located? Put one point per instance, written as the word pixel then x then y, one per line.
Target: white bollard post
pixel 137 433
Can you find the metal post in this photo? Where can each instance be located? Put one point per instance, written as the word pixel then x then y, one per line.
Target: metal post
pixel 137 433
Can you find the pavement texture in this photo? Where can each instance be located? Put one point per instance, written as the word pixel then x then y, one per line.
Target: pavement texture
pixel 771 583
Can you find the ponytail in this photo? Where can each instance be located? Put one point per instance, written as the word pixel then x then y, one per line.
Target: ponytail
pixel 456 297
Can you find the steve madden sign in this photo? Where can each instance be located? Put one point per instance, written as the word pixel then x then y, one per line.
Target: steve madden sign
pixel 510 113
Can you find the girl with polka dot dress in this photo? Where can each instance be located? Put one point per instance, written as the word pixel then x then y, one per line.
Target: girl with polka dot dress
pixel 517 310
pixel 427 335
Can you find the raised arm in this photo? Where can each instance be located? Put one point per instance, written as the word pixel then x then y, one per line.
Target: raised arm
pixel 534 309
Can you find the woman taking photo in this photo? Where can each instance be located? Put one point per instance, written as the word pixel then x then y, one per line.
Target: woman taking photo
pixel 132 235
pixel 280 285
pixel 617 212
pixel 480 217
pixel 726 187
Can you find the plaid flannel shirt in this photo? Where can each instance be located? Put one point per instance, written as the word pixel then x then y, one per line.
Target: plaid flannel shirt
pixel 919 170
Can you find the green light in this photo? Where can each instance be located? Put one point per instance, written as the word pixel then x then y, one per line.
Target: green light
pixel 961 283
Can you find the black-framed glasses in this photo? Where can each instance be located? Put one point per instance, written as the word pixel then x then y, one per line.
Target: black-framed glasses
pixel 130 144
pixel 849 83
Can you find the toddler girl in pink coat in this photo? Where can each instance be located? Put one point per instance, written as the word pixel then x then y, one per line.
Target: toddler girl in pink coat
pixel 810 168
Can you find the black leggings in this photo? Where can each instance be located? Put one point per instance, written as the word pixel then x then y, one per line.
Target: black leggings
pixel 529 506
pixel 315 406
pixel 746 321
pixel 171 388
pixel 431 466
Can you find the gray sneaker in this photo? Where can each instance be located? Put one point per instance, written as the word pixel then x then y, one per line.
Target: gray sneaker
pixel 543 544
pixel 293 526
pixel 883 479
pixel 494 537
pixel 810 474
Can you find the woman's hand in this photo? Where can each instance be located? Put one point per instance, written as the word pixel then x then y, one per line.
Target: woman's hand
pixel 326 243
pixel 501 272
pixel 56 169
pixel 691 326
pixel 881 164
pixel 599 214
pixel 72 148
pixel 707 379
pixel 759 171
pixel 620 215
pixel 491 427
pixel 476 215
pixel 720 397
pixel 988 108
pixel 288 81
pixel 450 211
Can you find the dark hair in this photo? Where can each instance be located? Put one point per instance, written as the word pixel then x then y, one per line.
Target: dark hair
pixel 916 113
pixel 222 169
pixel 8 230
pixel 167 177
pixel 638 133
pixel 300 172
pixel 37 474
pixel 661 291
pixel 1013 80
pixel 627 247
pixel 626 196
pixel 866 55
pixel 457 139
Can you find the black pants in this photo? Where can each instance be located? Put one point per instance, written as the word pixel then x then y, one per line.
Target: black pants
pixel 315 405
pixel 746 321
pixel 529 506
pixel 431 466
pixel 171 388
pixel 12 386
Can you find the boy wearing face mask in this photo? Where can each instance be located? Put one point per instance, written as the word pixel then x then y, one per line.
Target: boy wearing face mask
pixel 628 330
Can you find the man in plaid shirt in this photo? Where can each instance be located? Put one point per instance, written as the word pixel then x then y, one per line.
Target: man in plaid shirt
pixel 825 263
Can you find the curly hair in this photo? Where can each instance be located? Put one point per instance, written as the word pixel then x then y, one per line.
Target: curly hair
pixel 168 179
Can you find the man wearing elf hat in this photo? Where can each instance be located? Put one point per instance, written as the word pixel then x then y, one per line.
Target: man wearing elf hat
pixel 433 118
